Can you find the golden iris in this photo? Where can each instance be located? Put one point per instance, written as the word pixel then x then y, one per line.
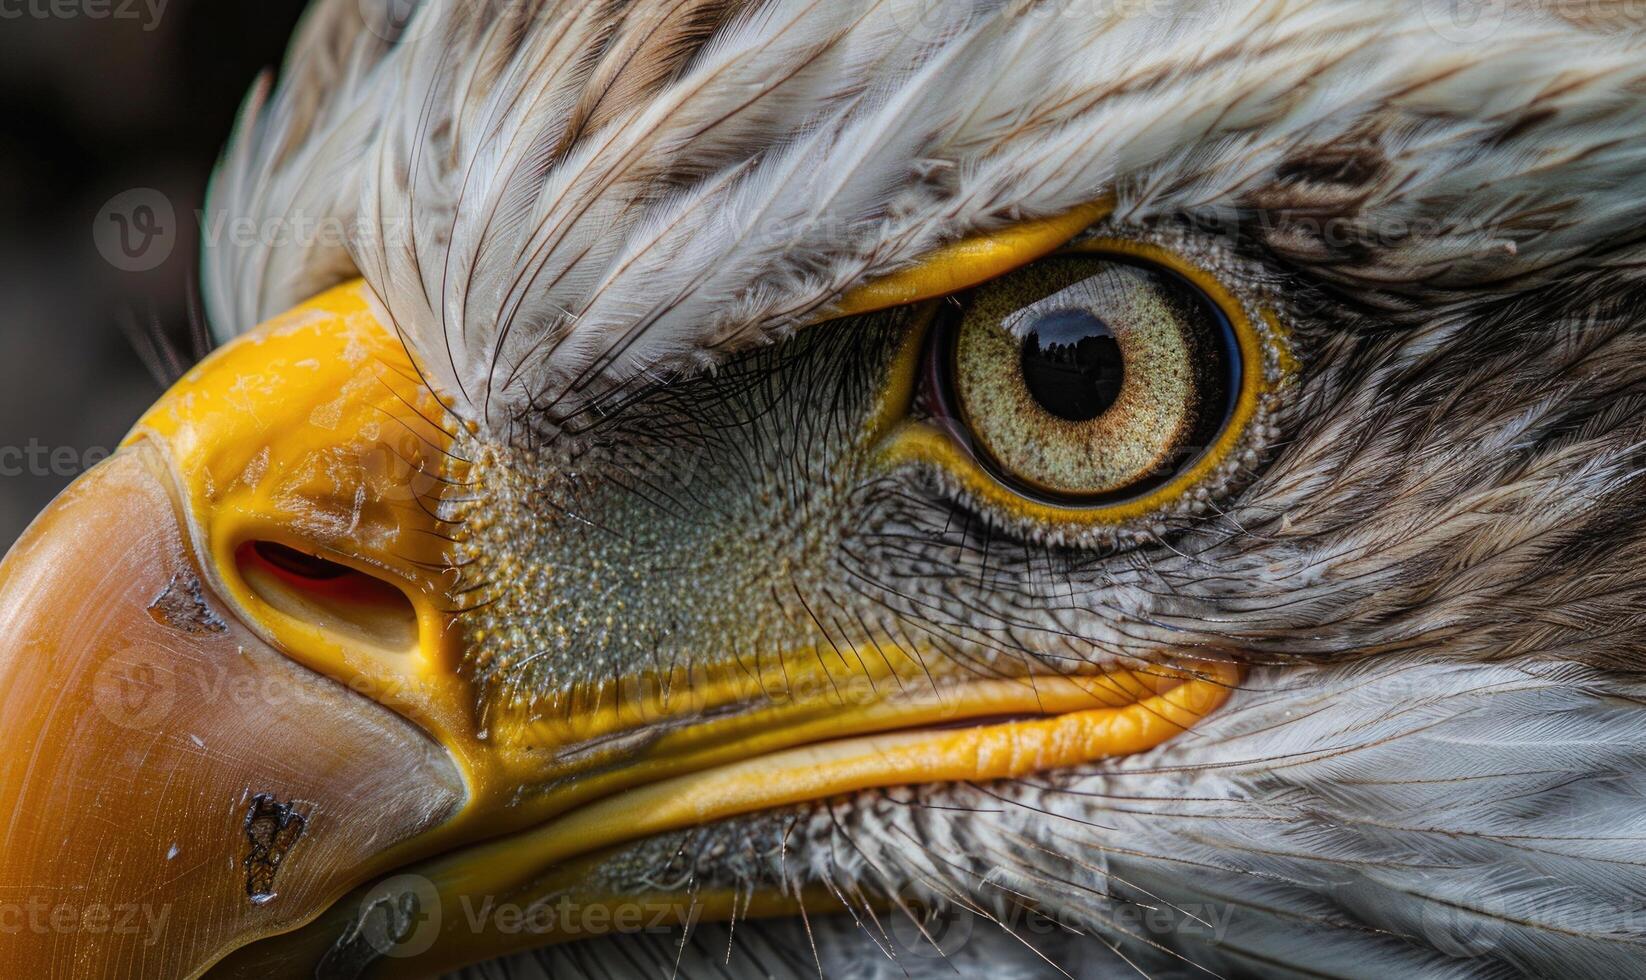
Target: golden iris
pixel 1090 377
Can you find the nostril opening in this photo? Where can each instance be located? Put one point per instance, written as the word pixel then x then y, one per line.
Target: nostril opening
pixel 357 609
pixel 294 562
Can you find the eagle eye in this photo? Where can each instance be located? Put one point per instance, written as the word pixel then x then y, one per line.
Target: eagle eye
pixel 1086 379
pixel 1113 382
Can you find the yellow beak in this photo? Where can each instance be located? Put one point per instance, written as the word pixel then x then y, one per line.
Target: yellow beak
pixel 173 783
pixel 232 691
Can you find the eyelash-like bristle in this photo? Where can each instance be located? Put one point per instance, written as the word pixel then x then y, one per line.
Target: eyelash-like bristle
pixel 163 353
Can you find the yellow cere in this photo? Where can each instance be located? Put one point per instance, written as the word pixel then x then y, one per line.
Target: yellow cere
pixel 315 432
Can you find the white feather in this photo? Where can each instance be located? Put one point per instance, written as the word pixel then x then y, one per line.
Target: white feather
pixel 809 146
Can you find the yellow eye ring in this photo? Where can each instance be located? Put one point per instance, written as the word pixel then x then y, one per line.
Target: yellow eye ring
pixel 1266 362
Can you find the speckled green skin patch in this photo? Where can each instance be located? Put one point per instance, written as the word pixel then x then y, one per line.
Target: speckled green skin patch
pixel 708 526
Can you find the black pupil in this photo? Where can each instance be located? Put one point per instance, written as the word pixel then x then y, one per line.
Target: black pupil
pixel 1072 364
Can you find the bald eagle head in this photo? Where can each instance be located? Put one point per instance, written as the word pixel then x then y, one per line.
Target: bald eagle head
pixel 876 487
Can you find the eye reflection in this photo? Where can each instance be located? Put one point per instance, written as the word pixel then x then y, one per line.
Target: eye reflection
pixel 1072 364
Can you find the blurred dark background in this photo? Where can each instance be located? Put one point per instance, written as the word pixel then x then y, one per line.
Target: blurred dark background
pixel 105 101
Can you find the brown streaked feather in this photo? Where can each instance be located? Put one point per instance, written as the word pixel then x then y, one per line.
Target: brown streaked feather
pixel 650 47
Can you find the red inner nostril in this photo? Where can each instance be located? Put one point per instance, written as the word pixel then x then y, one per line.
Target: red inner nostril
pixel 294 562
pixel 329 596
